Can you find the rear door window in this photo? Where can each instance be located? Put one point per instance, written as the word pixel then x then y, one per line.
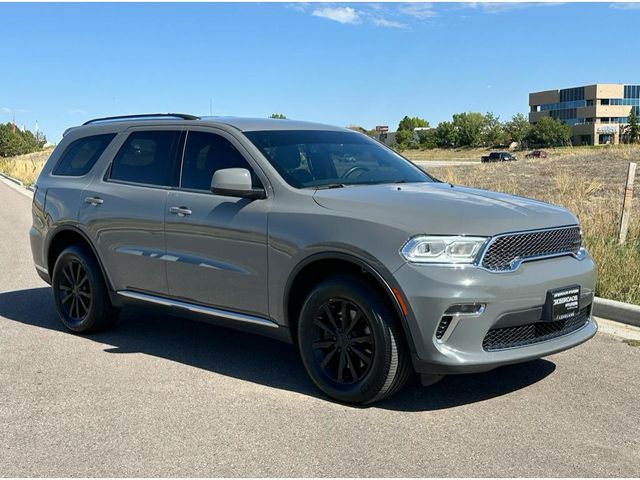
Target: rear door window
pixel 147 157
pixel 82 154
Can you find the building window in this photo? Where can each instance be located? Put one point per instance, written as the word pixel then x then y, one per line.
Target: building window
pixel 568 115
pixel 589 103
pixel 632 91
pixel 563 105
pixel 605 139
pixel 571 94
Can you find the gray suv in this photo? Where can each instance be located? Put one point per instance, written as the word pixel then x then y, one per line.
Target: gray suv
pixel 311 234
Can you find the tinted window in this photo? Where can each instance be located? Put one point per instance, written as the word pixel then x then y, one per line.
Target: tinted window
pixel 81 155
pixel 147 157
pixel 204 154
pixel 313 158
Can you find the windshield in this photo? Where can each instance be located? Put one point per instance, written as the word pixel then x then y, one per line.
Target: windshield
pixel 318 158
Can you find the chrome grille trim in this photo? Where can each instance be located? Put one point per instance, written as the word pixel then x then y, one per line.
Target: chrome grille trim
pixel 506 252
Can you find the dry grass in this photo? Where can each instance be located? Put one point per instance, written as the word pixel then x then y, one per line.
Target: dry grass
pixel 25 167
pixel 591 185
pixel 441 154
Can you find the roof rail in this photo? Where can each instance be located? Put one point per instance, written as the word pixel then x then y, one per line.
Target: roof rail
pixel 184 116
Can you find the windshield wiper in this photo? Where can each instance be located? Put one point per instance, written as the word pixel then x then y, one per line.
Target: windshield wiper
pixel 330 185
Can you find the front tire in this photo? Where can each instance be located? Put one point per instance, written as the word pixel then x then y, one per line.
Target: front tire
pixel 350 341
pixel 80 293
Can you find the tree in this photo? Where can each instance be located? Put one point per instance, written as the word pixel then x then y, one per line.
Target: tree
pixel 548 132
pixel 469 128
pixel 280 116
pixel 446 135
pixel 518 130
pixel 427 138
pixel 411 123
pixel 632 131
pixel 14 141
pixel 493 134
pixel 405 139
pixel 405 134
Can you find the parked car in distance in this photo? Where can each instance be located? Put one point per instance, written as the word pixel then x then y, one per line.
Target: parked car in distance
pixel 536 154
pixel 498 157
pixel 315 235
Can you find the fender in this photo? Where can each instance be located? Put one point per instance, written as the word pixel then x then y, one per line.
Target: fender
pixel 379 272
pixel 73 228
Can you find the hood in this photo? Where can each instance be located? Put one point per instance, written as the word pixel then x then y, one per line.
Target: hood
pixel 439 208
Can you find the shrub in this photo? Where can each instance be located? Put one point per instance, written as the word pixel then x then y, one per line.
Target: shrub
pixel 14 141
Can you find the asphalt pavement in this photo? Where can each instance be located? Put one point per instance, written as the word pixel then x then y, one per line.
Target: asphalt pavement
pixel 161 396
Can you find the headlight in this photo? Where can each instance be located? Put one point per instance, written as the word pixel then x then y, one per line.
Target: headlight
pixel 442 249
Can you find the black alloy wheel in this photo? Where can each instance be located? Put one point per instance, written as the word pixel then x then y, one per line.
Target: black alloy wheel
pixel 351 342
pixel 74 291
pixel 343 342
pixel 80 292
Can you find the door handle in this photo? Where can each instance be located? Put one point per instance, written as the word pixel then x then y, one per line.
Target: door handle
pixel 180 211
pixel 95 201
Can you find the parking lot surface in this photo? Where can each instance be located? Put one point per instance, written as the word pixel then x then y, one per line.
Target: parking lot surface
pixel 161 396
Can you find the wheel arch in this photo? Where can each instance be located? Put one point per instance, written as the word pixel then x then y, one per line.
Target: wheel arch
pixel 64 236
pixel 318 266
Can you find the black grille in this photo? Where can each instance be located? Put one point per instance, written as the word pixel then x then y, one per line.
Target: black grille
pixel 509 337
pixel 505 249
pixel 442 326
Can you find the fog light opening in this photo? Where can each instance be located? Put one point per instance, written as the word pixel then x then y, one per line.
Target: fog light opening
pixel 462 309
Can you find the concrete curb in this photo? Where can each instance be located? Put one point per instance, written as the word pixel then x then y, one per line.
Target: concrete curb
pixel 17 185
pixel 11 179
pixel 618 311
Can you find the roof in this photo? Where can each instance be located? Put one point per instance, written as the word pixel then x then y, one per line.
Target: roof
pixel 242 124
pixel 252 124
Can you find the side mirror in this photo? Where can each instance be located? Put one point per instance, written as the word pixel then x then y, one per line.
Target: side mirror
pixel 235 182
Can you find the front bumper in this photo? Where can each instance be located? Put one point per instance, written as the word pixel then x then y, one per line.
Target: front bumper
pixel 511 299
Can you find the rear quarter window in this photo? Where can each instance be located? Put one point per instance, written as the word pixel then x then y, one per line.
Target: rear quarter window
pixel 81 155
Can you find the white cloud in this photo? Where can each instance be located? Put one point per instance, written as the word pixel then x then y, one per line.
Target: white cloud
pixel 8 110
pixel 298 7
pixel 501 7
pixel 626 6
pixel 421 11
pixel 400 15
pixel 383 22
pixel 344 15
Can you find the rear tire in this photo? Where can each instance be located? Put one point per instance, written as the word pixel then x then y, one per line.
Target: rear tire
pixel 350 342
pixel 80 293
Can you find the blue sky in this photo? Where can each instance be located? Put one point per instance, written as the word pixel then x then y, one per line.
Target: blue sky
pixel 342 64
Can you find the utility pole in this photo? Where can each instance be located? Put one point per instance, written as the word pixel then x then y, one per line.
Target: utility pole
pixel 626 203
